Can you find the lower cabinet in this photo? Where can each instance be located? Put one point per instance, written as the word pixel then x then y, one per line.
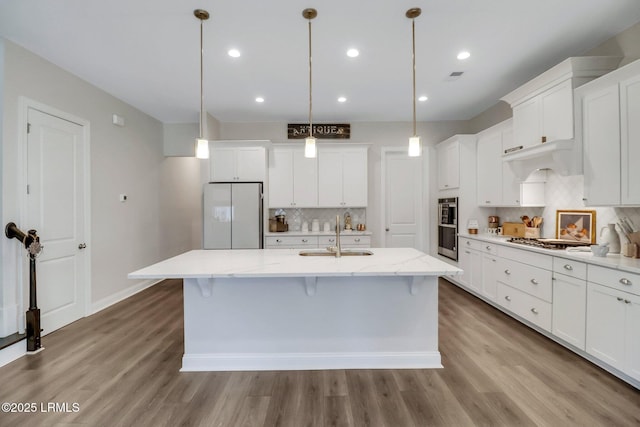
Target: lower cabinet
pixel 490 276
pixel 315 242
pixel 525 305
pixel 569 309
pixel 613 335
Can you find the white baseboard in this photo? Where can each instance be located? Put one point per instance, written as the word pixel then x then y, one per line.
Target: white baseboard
pixel 13 352
pixel 122 295
pixel 309 361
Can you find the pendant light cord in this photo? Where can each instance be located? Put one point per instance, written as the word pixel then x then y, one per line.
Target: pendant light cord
pixel 413 57
pixel 310 84
pixel 201 79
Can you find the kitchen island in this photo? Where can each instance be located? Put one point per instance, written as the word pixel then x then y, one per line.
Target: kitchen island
pixel 276 310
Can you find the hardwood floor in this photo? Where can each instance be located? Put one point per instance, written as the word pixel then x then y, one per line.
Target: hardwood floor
pixel 121 365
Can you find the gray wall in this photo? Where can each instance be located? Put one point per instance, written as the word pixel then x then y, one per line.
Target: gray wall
pixel 153 223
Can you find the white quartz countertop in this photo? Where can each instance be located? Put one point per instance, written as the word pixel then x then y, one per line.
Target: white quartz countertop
pixel 616 261
pixel 288 263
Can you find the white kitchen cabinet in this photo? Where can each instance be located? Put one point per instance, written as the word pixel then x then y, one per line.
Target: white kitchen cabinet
pixel 547 116
pixel 470 261
pixel 342 177
pixel 630 140
pixel 293 179
pixel 448 157
pixel 346 241
pixel 613 313
pixel 490 276
pixel 288 242
pixel 606 112
pixel 237 163
pixel 497 185
pixel 569 309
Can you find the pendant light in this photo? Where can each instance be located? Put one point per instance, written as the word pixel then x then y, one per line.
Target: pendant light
pixel 202 145
pixel 310 141
pixel 415 150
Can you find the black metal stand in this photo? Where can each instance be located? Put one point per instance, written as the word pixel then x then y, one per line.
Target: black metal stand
pixel 31 242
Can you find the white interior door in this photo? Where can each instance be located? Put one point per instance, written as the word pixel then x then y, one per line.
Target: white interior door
pixel 56 209
pixel 402 204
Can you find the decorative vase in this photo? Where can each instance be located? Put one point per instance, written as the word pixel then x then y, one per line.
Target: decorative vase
pixel 609 235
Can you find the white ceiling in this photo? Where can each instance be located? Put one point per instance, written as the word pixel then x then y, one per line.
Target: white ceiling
pixel 146 52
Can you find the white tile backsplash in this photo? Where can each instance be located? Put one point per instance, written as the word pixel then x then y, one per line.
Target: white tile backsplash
pixel 565 193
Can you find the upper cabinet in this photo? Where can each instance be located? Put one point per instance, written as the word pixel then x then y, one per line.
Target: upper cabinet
pixel 544 117
pixel 342 176
pixel 607 111
pixel 448 156
pixel 497 186
pixel 236 161
pixel 293 178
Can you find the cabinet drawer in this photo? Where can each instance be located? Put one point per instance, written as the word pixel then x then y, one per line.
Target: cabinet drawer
pixel 527 257
pixel 345 240
pixel 488 248
pixel 526 306
pixel 570 268
pixel 292 241
pixel 616 279
pixel 527 278
pixel 470 244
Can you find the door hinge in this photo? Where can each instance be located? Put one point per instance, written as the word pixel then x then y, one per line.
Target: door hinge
pixel 28 127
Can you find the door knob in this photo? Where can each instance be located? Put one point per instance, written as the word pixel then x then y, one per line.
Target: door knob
pixel 82 245
pixel 386 229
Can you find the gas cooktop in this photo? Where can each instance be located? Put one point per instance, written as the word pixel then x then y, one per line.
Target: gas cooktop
pixel 547 243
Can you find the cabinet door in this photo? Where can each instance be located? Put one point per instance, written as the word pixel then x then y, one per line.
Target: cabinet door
pixel 489 179
pixel 526 123
pixel 305 180
pixel 329 178
pixel 630 140
pixel 250 164
pixel 280 178
pixel 601 145
pixel 222 164
pixel 475 279
pixel 569 309
pixel 464 260
pixel 557 112
pixel 510 184
pixel 605 324
pixel 632 334
pixel 448 154
pixel 354 178
pixel 490 276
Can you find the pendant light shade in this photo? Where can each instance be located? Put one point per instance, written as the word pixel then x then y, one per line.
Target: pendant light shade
pixel 202 145
pixel 415 148
pixel 310 141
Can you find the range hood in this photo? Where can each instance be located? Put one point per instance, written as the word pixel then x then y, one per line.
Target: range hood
pixel 562 156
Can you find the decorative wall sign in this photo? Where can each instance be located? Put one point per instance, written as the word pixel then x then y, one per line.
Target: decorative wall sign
pixel 320 131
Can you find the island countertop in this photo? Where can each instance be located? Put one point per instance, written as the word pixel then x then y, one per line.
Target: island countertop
pixel 288 263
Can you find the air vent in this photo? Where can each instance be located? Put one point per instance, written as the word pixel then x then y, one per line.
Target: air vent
pixel 454 76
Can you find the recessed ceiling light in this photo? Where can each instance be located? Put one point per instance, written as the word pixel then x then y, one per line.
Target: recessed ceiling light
pixel 259 99
pixel 234 53
pixel 342 99
pixel 463 55
pixel 352 53
pixel 423 98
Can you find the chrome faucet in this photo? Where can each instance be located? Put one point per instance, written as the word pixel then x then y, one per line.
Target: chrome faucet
pixel 338 248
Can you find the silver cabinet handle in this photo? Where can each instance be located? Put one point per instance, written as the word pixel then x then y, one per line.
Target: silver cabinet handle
pixel 332 240
pixel 278 240
pixel 534 311
pixel 488 247
pixel 82 245
pixel 356 240
pixel 494 260
pixel 507 271
pixel 534 281
pixel 487 201
pixel 304 240
pixel 568 267
pixel 625 281
pixel 620 299
pixel 507 297
pixel 468 243
pixel 467 252
pixel 386 229
pixel 627 301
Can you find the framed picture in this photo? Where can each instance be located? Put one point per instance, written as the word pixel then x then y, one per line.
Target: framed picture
pixel 577 226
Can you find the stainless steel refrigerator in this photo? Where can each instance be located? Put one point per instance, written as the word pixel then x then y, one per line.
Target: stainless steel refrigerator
pixel 233 215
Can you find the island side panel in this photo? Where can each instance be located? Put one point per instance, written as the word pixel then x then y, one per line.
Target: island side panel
pixel 349 322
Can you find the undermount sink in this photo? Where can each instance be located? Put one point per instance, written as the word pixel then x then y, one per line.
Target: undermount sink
pixel 345 252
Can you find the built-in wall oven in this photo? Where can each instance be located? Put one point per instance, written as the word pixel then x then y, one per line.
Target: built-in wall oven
pixel 448 227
